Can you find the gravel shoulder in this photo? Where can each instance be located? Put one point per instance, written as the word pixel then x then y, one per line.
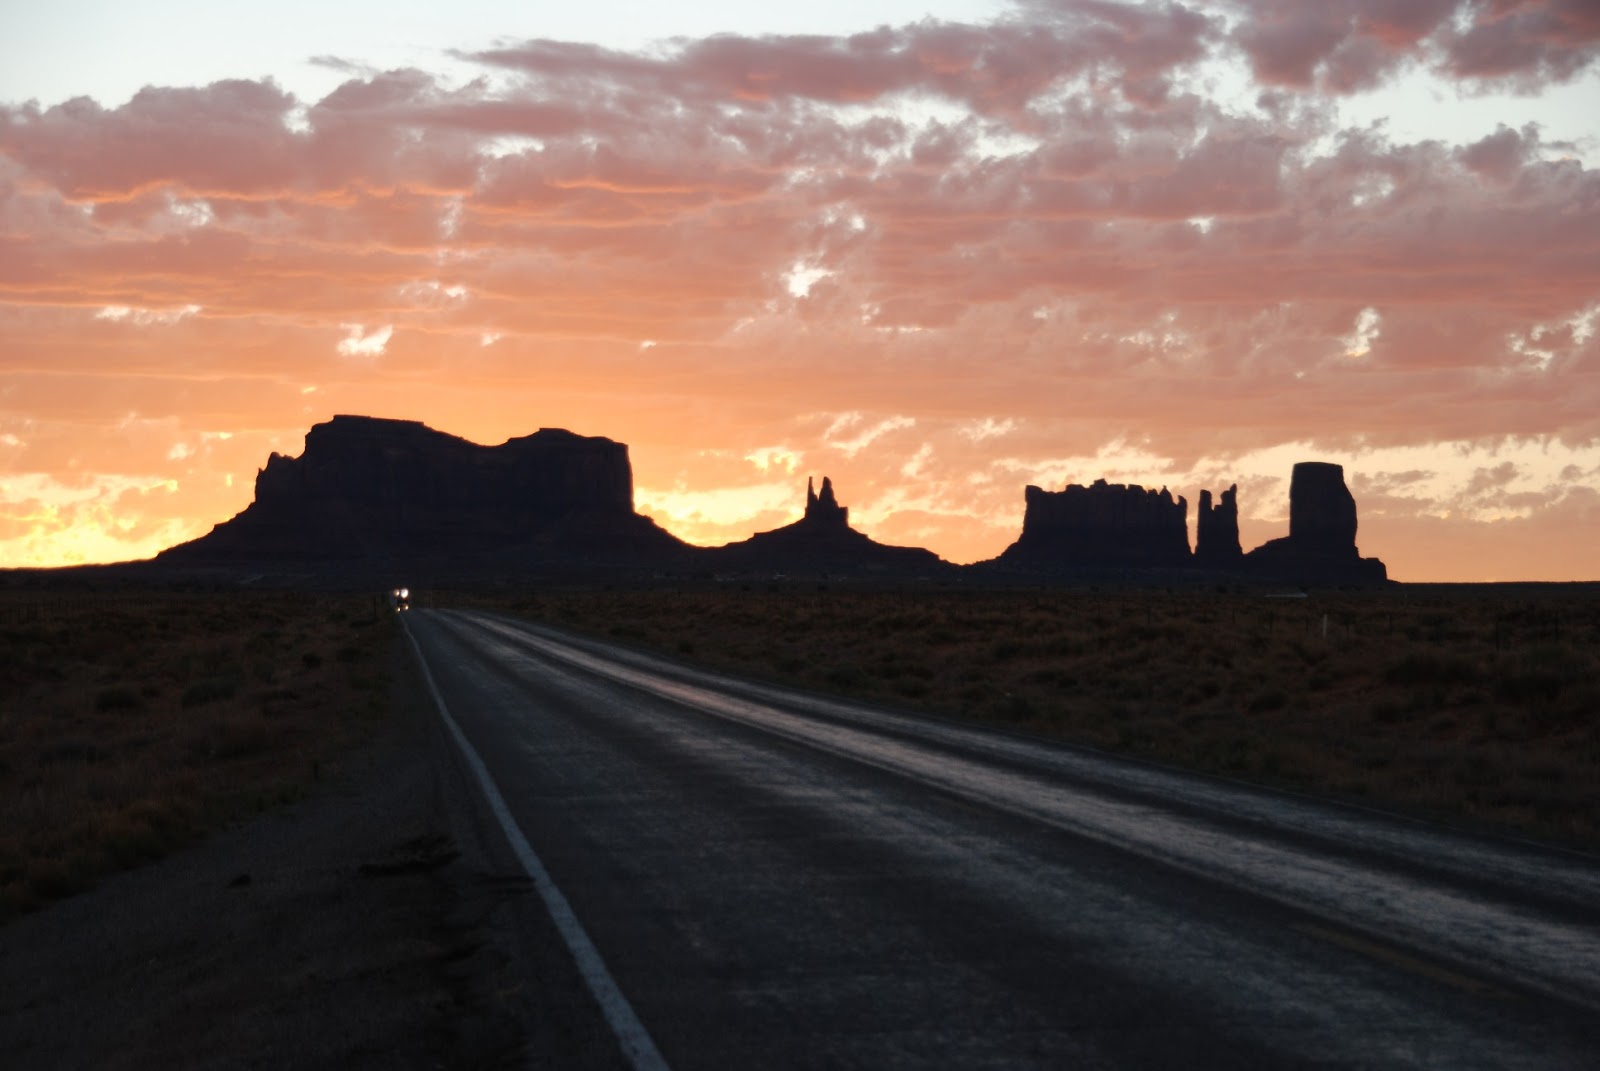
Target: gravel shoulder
pixel 366 926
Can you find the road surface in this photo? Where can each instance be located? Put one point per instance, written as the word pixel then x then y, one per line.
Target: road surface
pixel 753 877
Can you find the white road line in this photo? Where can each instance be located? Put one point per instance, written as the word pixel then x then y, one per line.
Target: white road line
pixel 635 1040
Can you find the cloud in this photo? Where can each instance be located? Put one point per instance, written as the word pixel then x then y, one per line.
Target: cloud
pixel 998 68
pixel 1340 47
pixel 145 317
pixel 865 436
pixel 1500 156
pixel 988 428
pixel 1045 242
pixel 359 342
pixel 46 521
pixel 1358 44
pixel 1527 42
pixel 768 458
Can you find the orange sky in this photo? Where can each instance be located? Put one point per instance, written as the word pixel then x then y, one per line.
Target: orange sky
pixel 936 261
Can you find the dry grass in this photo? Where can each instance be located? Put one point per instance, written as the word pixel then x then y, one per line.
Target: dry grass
pixel 1458 705
pixel 132 723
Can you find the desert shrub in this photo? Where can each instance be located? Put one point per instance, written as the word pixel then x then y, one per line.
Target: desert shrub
pixel 71 749
pixel 210 690
pixel 1541 674
pixel 52 879
pixel 1309 653
pixel 109 681
pixel 118 697
pixel 1579 704
pixel 241 737
pixel 1018 707
pixel 847 677
pixel 1430 667
pixel 1269 700
pixel 1476 770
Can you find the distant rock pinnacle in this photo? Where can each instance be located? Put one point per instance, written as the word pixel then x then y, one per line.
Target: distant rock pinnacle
pixel 1321 544
pixel 1216 544
pixel 823 510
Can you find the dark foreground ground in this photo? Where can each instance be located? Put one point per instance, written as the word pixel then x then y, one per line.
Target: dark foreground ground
pixel 345 930
pixel 345 927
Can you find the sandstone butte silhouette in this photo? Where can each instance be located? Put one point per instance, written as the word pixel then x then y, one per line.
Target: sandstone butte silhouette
pixel 822 540
pixel 1109 527
pixel 372 493
pixel 379 489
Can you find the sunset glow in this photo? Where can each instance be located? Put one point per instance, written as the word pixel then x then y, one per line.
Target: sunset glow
pixel 936 253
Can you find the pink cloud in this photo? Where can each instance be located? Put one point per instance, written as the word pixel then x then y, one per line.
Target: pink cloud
pixel 229 136
pixel 1500 156
pixel 1072 240
pixel 1527 41
pixel 1351 46
pixel 997 68
pixel 1343 47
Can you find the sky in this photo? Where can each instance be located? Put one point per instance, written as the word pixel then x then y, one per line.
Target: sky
pixel 935 251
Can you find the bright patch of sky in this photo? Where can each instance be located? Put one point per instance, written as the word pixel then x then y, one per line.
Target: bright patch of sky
pixel 718 506
pixel 800 278
pixel 1444 479
pixel 913 468
pixel 146 317
pixel 1420 107
pixel 1118 461
pixel 1358 343
pixel 861 435
pixel 358 342
pixel 988 428
pixel 768 458
pixel 82 521
pixel 921 497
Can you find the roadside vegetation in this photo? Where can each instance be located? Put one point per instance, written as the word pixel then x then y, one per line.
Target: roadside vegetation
pixel 132 723
pixel 1446 703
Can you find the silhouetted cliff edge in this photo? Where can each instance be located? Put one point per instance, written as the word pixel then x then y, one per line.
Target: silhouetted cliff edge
pixel 370 489
pixel 1117 531
pixel 1103 525
pixel 1321 545
pixel 371 496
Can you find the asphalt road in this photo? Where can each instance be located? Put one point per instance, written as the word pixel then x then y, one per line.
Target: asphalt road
pixel 766 878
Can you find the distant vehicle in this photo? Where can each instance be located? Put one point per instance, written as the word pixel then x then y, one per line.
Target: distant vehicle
pixel 400 599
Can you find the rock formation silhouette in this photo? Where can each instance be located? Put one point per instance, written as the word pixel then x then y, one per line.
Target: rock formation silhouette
pixel 823 541
pixel 1216 531
pixel 368 488
pixel 824 511
pixel 371 496
pixel 1321 544
pixel 1101 526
